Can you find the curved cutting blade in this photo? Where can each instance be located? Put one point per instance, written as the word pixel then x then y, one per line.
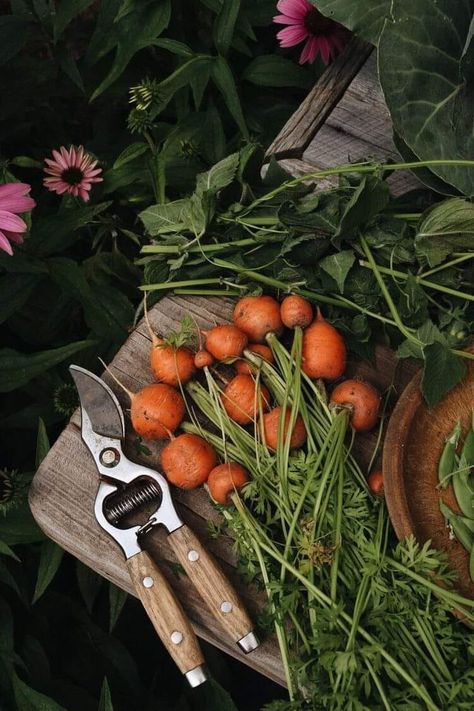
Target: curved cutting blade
pixel 99 403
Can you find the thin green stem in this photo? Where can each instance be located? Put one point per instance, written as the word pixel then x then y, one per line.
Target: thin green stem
pixel 452 263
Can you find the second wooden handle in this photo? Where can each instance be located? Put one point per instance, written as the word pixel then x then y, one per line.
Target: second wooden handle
pixel 214 587
pixel 167 615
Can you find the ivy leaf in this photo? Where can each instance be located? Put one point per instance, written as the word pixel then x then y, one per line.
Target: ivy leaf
pixel 338 265
pixel 365 18
pixel 442 371
pixel 445 228
pixel 50 560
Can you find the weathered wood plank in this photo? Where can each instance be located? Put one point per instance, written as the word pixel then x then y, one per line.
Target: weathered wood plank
pixel 64 488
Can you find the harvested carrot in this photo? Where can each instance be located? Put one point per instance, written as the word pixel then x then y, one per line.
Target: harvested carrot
pixel 187 460
pixel 375 482
pixel 362 399
pixel 324 350
pixel 203 359
pixel 156 410
pixel 169 364
pixel 245 368
pixel 225 341
pixel 270 424
pixel 296 311
pixel 225 479
pixel 258 315
pixel 241 400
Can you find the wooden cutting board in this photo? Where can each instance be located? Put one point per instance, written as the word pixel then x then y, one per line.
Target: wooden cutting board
pixel 64 488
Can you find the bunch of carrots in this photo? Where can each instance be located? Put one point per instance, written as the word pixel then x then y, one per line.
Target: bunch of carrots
pixel 157 411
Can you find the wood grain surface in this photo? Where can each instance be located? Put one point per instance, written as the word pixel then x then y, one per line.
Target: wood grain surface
pixel 64 488
pixel 165 612
pixel 413 445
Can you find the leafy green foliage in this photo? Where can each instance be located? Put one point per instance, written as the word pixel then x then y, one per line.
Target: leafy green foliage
pixel 446 228
pixel 364 18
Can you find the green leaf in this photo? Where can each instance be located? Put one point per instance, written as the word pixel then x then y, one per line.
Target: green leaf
pixel 66 11
pixel 117 599
pixel 442 371
pixel 15 290
pixel 445 228
pixel 338 265
pixel 105 701
pixel 50 560
pixel 17 369
pixel 367 200
pixel 136 30
pixel 19 527
pixel 224 80
pixel 69 66
pixel 365 17
pixel 58 232
pixel 14 33
pixel 421 63
pixel 6 550
pixel 165 219
pixel 186 74
pixel 273 70
pixel 224 25
pixel 42 442
pixel 179 48
pixel 212 697
pixel 89 583
pixel 27 699
pixel 131 152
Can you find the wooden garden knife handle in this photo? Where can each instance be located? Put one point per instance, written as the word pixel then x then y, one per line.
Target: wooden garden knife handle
pixel 214 587
pixel 167 616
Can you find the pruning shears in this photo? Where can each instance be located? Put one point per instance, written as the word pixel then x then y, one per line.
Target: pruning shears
pixel 124 488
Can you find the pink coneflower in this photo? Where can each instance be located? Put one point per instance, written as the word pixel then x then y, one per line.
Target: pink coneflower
pixel 72 171
pixel 305 22
pixel 14 198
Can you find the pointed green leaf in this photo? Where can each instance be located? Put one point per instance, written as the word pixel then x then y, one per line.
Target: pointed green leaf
pixel 89 583
pixel 27 699
pixel 273 70
pixel 66 11
pixel 445 228
pixel 224 25
pixel 42 442
pixel 105 702
pixel 166 218
pixel 50 560
pixel 117 599
pixel 365 18
pixel 338 265
pixel 224 80
pixel 442 371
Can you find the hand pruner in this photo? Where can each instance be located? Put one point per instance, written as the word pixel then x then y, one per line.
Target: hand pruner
pixel 124 487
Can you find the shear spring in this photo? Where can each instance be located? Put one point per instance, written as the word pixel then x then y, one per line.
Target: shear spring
pixel 129 502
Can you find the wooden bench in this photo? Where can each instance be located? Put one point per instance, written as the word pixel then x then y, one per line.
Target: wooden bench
pixel 333 126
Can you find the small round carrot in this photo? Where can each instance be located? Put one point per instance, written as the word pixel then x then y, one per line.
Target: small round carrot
pixel 324 350
pixel 258 315
pixel 375 482
pixel 296 311
pixel 203 359
pixel 225 341
pixel 240 399
pixel 156 410
pixel 362 399
pixel 169 364
pixel 270 424
pixel 187 460
pixel 225 479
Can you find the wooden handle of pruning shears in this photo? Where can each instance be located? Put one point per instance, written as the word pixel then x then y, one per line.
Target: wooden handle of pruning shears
pixel 167 616
pixel 214 587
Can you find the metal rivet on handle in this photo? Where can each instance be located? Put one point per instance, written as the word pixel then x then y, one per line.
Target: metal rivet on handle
pixel 110 457
pixel 148 582
pixel 176 637
pixel 226 606
pixel 193 556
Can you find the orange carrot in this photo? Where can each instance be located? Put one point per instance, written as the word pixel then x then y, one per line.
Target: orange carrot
pixel 324 350
pixel 258 315
pixel 270 424
pixel 156 410
pixel 225 341
pixel 169 364
pixel 187 460
pixel 362 399
pixel 203 359
pixel 296 311
pixel 225 479
pixel 375 482
pixel 240 399
pixel 245 368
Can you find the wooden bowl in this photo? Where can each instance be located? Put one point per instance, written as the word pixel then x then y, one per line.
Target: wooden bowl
pixel 413 444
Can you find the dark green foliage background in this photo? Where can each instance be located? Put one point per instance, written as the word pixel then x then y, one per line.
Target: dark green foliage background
pixel 70 295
